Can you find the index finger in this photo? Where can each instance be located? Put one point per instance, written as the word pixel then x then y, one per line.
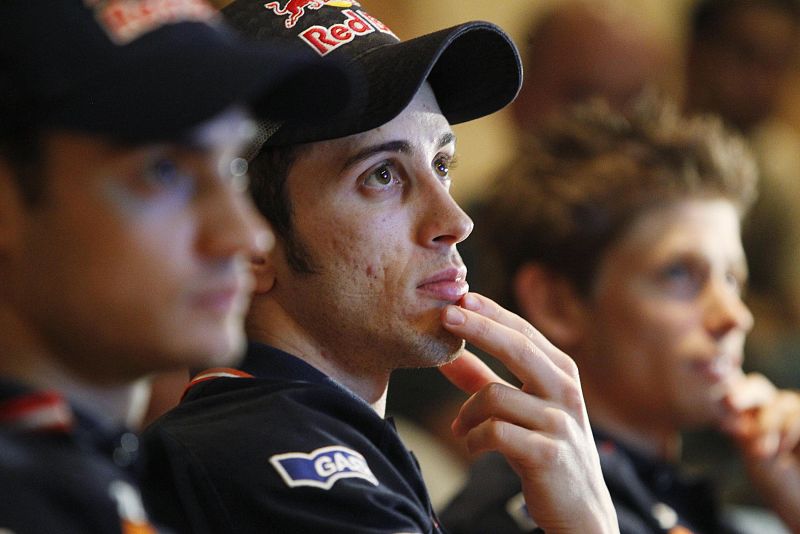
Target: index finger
pixel 751 391
pixel 532 363
pixel 492 310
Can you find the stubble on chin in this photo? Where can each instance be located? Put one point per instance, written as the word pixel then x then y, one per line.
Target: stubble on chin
pixel 435 351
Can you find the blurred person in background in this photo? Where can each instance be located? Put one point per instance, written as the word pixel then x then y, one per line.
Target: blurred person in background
pixel 125 233
pixel 740 54
pixel 618 236
pixel 579 50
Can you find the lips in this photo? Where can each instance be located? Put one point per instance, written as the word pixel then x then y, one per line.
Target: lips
pixel 219 300
pixel 448 285
pixel 718 369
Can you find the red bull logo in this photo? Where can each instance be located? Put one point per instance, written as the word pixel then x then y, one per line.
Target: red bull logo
pixel 297 8
pixel 355 24
pixel 125 21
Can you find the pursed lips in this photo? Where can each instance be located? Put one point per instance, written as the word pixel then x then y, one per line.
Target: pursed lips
pixel 447 285
pixel 717 368
pixel 220 298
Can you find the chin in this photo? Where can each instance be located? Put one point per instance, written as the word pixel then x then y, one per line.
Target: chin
pixel 435 350
pixel 224 350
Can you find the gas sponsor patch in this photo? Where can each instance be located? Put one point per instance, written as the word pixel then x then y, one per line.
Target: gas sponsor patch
pixel 322 468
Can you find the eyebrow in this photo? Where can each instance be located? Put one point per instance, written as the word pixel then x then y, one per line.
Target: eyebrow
pixel 393 146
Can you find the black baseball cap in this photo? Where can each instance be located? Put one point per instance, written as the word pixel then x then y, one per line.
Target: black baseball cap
pixel 148 70
pixel 473 68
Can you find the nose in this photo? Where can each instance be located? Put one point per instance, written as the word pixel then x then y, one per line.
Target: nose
pixel 231 225
pixel 444 223
pixel 726 311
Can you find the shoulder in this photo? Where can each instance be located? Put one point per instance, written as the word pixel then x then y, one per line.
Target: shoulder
pixel 296 454
pixel 234 414
pixel 80 490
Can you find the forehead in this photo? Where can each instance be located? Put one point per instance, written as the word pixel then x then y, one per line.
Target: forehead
pixel 697 224
pixel 421 125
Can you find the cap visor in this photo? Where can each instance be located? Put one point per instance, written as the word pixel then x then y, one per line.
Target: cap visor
pixel 474 70
pixel 200 72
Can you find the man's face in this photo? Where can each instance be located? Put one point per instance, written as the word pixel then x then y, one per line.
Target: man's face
pixel 135 259
pixel 669 325
pixel 745 69
pixel 374 213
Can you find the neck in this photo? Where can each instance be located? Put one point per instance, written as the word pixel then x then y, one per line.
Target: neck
pixel 648 435
pixel 26 358
pixel 267 324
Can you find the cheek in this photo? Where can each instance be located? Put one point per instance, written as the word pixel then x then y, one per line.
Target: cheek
pixel 663 333
pixel 642 328
pixel 368 249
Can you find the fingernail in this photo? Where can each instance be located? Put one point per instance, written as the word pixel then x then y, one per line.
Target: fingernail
pixel 454 316
pixel 471 302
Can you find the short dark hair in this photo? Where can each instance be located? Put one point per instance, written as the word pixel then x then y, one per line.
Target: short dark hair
pixel 269 170
pixel 707 16
pixel 591 172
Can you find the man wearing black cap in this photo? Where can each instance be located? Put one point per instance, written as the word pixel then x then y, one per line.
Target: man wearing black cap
pixel 367 279
pixel 124 233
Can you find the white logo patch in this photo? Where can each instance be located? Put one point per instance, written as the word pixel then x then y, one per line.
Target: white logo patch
pixel 321 468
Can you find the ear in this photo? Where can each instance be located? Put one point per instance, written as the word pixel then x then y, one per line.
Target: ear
pixel 263 268
pixel 551 303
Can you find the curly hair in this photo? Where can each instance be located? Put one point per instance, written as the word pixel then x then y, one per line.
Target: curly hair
pixel 591 172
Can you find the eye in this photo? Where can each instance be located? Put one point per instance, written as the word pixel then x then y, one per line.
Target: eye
pixel 677 271
pixel 682 278
pixel 381 177
pixel 164 174
pixel 443 165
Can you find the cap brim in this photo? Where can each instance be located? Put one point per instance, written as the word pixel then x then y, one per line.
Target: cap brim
pixel 200 71
pixel 474 70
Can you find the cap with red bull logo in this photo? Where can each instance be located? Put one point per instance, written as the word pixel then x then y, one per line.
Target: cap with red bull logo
pixel 473 68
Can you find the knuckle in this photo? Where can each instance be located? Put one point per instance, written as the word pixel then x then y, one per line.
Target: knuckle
pixel 571 368
pixel 496 433
pixel 543 454
pixel 557 421
pixel 572 398
pixel 528 331
pixel 495 394
pixel 529 352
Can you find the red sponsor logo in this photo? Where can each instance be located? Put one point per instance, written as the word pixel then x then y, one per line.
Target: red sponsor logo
pixel 126 20
pixel 294 8
pixel 356 24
